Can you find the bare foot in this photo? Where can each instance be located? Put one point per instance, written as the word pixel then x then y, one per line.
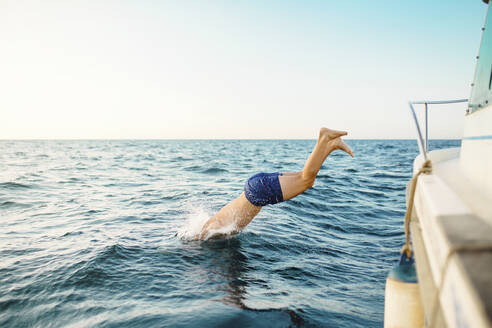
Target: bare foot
pixel 328 134
pixel 338 143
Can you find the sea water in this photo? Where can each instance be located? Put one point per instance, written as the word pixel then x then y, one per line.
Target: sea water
pixel 99 234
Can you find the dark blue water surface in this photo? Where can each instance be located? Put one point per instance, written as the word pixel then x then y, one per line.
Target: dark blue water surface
pixel 88 234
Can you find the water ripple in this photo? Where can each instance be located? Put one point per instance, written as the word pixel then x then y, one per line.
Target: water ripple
pixel 90 231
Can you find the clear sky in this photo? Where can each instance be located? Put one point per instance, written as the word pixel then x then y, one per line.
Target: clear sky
pixel 233 69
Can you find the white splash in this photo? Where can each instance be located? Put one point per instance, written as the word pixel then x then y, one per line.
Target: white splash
pixel 193 225
pixel 222 232
pixel 196 219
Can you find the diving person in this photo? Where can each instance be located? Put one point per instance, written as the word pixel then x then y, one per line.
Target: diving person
pixel 272 188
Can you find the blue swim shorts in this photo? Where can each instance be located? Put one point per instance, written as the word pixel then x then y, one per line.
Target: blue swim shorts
pixel 263 189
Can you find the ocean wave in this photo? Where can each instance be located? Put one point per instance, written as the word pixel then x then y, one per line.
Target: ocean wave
pixel 10 204
pixel 192 168
pixel 71 233
pixel 214 170
pixel 100 269
pixel 181 159
pixel 174 195
pixel 387 174
pixel 369 192
pixel 295 273
pixel 14 185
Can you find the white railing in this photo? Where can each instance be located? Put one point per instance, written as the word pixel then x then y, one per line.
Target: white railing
pixel 424 145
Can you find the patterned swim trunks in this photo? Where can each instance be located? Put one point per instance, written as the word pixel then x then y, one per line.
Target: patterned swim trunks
pixel 263 189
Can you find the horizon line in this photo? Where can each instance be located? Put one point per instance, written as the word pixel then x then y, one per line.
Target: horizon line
pixel 197 139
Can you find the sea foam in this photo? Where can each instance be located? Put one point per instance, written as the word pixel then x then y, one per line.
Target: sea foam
pixel 196 219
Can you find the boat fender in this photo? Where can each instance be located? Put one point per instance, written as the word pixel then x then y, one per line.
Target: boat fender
pixel 402 304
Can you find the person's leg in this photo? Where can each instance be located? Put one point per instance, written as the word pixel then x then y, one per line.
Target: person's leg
pixel 295 183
